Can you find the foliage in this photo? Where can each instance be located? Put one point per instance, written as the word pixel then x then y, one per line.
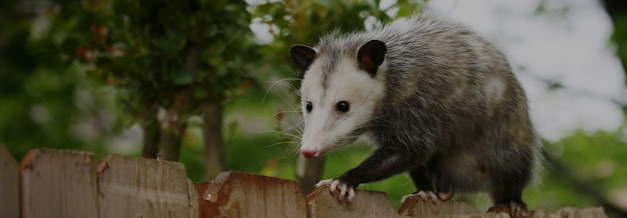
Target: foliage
pixel 167 62
pixel 152 55
pixel 44 99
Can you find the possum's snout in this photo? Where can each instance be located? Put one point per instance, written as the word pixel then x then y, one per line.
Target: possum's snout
pixel 315 138
pixel 310 148
pixel 309 153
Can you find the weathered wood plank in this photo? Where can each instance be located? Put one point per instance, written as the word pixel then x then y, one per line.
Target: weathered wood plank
pixel 9 185
pixel 58 183
pixel 138 187
pixel 234 194
pixel 568 212
pixel 204 206
pixel 322 204
pixel 595 212
pixel 417 207
pixel 193 200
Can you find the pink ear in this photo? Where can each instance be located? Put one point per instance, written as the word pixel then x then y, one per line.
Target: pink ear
pixel 371 56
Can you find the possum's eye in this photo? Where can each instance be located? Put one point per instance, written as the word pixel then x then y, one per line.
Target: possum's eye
pixel 309 107
pixel 342 106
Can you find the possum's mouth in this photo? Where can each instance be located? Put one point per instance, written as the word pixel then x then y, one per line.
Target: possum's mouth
pixel 325 146
pixel 313 147
pixel 311 153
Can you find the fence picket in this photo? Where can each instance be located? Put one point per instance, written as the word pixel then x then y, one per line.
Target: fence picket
pixel 580 212
pixel 417 207
pixel 320 203
pixel 194 212
pixel 138 187
pixel 9 185
pixel 235 194
pixel 58 183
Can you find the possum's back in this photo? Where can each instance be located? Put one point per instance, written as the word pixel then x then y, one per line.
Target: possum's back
pixel 463 89
pixel 451 61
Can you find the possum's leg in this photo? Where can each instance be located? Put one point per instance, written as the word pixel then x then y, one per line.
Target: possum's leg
pixel 429 185
pixel 422 178
pixel 506 190
pixel 423 181
pixel 444 189
pixel 443 186
pixel 508 181
pixel 508 197
pixel 381 164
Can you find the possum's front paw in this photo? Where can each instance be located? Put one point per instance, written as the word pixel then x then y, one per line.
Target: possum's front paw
pixel 343 188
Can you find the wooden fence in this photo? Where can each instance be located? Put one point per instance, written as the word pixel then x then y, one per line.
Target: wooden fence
pixel 63 183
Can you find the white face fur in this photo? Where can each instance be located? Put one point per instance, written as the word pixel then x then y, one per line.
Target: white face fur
pixel 330 124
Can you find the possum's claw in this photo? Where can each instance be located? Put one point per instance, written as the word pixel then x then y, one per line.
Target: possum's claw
pixel 428 194
pixel 323 182
pixel 514 209
pixel 342 192
pixel 335 185
pixel 422 194
pixel 405 197
pixel 444 196
pixel 351 194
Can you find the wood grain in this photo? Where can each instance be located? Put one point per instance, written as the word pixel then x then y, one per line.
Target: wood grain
pixel 138 187
pixel 9 185
pixel 417 207
pixel 596 212
pixel 322 204
pixel 58 183
pixel 193 200
pixel 234 194
pixel 204 206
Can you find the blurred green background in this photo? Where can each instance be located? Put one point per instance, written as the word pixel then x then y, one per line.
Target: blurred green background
pixel 95 75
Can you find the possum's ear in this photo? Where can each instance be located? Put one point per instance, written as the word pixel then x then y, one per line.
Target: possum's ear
pixel 302 55
pixel 371 55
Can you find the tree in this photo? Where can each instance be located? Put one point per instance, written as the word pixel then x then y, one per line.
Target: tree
pixel 168 61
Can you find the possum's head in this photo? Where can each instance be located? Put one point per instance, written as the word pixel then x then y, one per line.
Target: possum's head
pixel 339 93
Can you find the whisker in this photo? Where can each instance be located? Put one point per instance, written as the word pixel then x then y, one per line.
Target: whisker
pixel 274 84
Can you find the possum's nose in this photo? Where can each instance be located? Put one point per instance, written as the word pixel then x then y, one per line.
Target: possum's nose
pixel 309 153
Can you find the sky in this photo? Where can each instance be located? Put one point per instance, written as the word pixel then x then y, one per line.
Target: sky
pixel 569 43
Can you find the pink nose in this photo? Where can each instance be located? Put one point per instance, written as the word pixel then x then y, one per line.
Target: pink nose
pixel 309 153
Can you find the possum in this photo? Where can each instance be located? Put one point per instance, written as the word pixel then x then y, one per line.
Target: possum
pixel 436 99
